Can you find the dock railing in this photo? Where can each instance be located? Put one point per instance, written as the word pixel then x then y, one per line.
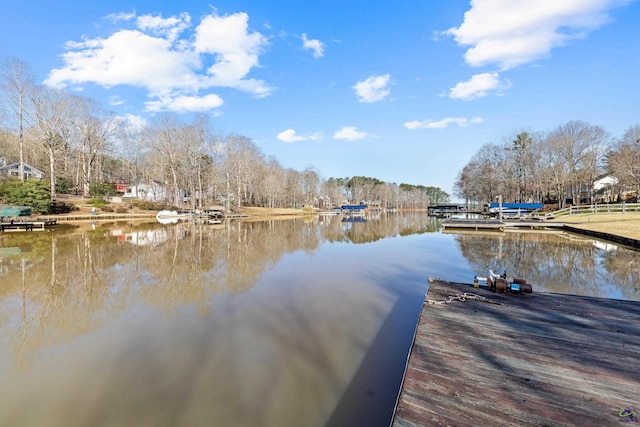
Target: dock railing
pixel 592 209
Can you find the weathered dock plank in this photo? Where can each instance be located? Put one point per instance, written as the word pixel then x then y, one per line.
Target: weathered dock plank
pixel 494 224
pixel 536 359
pixel 473 224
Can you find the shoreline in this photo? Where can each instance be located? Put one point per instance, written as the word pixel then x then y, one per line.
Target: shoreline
pixel 619 228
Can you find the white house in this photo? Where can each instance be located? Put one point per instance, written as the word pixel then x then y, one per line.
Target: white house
pixel 154 192
pixel 13 169
pixel 603 188
pixel 606 181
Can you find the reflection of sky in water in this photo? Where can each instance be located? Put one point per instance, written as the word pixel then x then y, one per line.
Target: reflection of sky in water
pixel 282 353
pixel 275 356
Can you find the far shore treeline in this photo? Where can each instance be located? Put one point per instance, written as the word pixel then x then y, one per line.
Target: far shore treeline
pixel 86 150
pixel 575 163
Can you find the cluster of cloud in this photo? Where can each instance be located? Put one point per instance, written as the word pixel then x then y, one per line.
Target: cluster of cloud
pixel 507 34
pixel 156 55
pixel 372 89
pixel 349 133
pixel 181 64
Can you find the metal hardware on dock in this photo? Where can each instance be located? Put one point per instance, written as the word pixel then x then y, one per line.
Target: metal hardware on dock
pixel 503 283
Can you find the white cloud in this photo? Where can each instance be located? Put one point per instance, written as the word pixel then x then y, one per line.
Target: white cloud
pixel 120 16
pixel 479 86
pixel 349 133
pixel 115 100
pixel 160 56
pixel 443 123
pixel 512 33
pixel 183 103
pixel 290 136
pixel 170 27
pixel 314 45
pixel 373 89
pixel 235 49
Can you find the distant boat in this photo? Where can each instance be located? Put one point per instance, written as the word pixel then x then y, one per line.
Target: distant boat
pixel 171 217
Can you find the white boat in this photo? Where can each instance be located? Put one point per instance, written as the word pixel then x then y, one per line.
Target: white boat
pixel 171 217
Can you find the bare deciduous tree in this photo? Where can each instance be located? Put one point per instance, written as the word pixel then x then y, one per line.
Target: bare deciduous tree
pixel 49 113
pixel 17 83
pixel 94 129
pixel 624 160
pixel 578 150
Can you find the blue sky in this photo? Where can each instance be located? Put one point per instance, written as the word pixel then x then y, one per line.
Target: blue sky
pixel 403 91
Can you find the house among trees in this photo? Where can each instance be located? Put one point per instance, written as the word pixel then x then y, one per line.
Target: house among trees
pixel 154 192
pixel 13 169
pixel 604 188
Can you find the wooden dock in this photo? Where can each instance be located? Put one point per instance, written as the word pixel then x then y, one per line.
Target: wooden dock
pixel 100 217
pixel 537 359
pixel 25 225
pixel 497 225
pixel 473 224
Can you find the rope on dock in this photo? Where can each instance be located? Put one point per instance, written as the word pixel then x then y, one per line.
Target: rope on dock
pixel 461 297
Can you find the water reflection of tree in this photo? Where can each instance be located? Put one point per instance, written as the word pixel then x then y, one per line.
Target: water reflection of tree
pixel 56 297
pixel 623 266
pixel 557 263
pixel 378 228
pixel 72 281
pixel 67 283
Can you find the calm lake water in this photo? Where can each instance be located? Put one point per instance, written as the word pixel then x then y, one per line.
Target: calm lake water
pixel 301 322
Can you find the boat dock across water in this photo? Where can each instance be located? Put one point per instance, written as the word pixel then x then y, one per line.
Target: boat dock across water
pixel 26 225
pixel 494 224
pixel 506 359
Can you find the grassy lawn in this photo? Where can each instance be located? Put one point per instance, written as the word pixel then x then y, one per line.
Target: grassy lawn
pixel 621 224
